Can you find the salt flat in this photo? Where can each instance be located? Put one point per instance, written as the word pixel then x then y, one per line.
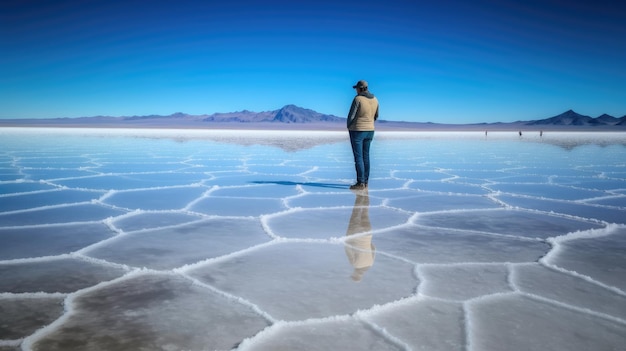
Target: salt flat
pixel 122 239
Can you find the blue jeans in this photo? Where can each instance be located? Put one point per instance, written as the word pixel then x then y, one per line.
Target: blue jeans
pixel 360 142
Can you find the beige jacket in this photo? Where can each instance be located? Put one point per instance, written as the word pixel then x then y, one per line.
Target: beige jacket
pixel 363 112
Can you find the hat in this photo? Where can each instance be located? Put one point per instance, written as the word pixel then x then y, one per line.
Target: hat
pixel 360 84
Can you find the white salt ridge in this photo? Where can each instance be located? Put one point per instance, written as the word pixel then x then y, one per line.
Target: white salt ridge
pixel 219 246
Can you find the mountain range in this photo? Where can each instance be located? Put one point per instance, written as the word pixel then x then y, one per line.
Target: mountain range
pixel 287 114
pixel 294 117
pixel 571 118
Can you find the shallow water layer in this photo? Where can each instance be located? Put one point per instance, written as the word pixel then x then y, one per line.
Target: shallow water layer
pixel 251 240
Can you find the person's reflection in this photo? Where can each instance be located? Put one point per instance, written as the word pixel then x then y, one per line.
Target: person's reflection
pixel 359 247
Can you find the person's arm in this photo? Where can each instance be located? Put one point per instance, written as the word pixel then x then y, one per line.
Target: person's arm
pixel 352 114
pixel 376 115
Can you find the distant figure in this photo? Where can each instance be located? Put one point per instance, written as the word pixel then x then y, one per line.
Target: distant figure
pixel 520 133
pixel 485 133
pixel 360 123
pixel 541 133
pixel 359 248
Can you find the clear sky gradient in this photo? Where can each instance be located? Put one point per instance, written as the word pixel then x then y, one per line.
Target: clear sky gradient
pixel 429 61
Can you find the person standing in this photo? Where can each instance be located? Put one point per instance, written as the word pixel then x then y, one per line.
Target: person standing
pixel 360 123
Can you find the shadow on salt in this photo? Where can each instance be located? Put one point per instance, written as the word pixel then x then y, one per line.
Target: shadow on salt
pixel 246 179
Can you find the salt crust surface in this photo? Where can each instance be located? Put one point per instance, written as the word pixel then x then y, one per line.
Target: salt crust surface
pixel 246 240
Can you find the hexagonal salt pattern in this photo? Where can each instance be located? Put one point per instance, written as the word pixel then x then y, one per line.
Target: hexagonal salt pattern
pixel 248 240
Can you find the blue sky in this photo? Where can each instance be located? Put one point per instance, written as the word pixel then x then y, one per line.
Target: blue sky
pixel 441 61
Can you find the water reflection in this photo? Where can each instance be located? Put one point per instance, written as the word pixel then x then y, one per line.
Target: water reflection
pixel 358 245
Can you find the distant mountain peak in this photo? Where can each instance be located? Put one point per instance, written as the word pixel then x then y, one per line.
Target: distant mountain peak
pixel 296 114
pixel 286 114
pixel 571 118
pixel 607 118
pixel 570 113
pixel 568 117
pixel 292 106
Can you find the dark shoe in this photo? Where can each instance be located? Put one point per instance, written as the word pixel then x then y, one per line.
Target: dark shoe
pixel 358 186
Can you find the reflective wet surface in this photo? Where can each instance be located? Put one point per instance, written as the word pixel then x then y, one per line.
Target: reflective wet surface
pixel 249 240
